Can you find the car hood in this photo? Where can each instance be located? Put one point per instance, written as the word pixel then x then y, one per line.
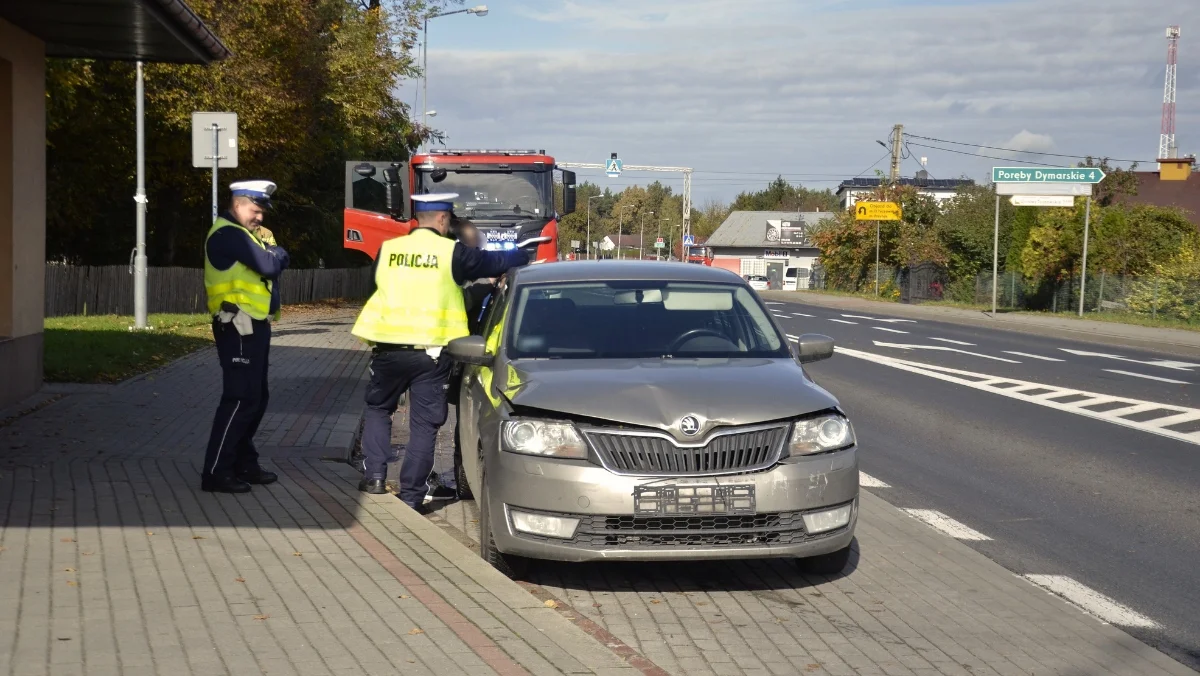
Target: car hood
pixel 657 392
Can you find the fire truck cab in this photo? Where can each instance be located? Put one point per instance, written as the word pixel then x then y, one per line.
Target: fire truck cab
pixel 508 194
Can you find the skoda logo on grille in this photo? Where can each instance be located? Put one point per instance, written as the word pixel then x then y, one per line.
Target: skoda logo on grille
pixel 689 425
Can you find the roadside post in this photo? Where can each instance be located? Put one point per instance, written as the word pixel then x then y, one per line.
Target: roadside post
pixel 208 150
pixel 139 252
pixel 877 211
pixel 1044 187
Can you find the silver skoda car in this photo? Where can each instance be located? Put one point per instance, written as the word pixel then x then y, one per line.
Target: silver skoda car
pixel 649 411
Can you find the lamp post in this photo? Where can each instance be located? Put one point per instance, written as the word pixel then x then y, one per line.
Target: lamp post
pixel 620 227
pixel 480 10
pixel 588 244
pixel 642 239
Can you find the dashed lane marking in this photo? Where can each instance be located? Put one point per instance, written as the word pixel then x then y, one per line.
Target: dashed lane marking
pixel 1032 356
pixel 842 321
pixel 884 328
pixel 880 319
pixel 1164 363
pixel 1091 601
pixel 946 525
pixel 791 337
pixel 867 481
pixel 771 302
pixel 956 342
pixel 800 314
pixel 1116 410
pixel 943 348
pixel 1147 377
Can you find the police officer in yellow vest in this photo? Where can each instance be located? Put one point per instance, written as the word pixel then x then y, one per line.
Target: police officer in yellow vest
pixel 416 309
pixel 241 275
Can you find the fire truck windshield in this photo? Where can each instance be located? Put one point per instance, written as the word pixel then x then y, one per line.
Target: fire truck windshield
pixel 494 196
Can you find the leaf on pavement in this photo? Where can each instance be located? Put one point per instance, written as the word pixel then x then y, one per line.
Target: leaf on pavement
pixel 551 603
pixel 197 537
pixel 416 630
pixel 239 579
pixel 261 617
pixel 297 554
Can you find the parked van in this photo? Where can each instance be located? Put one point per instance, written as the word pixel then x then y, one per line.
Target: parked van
pixel 789 279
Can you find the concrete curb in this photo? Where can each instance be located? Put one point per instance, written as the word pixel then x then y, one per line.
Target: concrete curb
pixel 1174 341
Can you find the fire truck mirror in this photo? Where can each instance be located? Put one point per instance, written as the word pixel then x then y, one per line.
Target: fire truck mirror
pixel 568 192
pixel 365 169
pixel 395 191
pixel 438 175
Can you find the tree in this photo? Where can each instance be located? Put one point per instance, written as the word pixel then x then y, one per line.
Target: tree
pixel 780 195
pixel 966 225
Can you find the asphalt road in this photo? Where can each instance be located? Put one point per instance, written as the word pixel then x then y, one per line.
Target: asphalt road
pixel 1057 490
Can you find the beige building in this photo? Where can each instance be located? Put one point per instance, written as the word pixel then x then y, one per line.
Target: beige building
pixel 30 32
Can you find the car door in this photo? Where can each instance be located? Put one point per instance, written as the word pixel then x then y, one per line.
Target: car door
pixel 478 400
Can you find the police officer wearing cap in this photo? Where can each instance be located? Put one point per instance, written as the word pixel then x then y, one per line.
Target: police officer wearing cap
pixel 241 275
pixel 415 310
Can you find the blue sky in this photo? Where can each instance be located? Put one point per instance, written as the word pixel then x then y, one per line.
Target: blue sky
pixel 743 90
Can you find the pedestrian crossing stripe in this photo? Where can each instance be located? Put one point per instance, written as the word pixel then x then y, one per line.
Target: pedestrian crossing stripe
pixel 1152 417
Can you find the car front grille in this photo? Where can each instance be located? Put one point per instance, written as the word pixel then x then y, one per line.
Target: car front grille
pixel 655 454
pixel 682 532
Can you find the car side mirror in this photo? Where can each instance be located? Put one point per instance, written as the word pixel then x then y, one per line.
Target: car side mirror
pixel 394 191
pixel 469 350
pixel 568 192
pixel 813 347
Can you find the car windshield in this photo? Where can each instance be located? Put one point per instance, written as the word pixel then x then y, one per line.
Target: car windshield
pixel 522 195
pixel 638 319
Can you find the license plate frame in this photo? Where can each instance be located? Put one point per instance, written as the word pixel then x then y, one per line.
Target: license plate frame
pixel 693 499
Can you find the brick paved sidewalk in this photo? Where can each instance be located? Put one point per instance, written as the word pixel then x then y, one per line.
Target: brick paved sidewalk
pixel 113 562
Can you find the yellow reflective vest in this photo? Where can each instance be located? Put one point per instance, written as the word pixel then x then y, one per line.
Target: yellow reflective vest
pixel 239 285
pixel 416 301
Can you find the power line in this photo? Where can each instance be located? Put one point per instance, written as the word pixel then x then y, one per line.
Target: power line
pixel 885 155
pixel 990 157
pixel 1027 152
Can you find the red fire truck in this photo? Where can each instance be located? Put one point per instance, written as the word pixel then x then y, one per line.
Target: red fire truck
pixel 701 255
pixel 508 194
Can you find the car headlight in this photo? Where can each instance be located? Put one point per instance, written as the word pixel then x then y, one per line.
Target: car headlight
pixel 823 433
pixel 542 437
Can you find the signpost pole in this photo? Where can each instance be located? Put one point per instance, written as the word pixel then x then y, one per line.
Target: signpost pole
pixel 1087 220
pixel 216 158
pixel 139 260
pixel 876 258
pixel 995 255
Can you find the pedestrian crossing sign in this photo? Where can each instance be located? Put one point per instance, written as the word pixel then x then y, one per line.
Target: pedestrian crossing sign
pixel 613 167
pixel 688 240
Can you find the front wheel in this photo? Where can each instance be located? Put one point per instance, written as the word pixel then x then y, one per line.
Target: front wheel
pixel 826 564
pixel 514 567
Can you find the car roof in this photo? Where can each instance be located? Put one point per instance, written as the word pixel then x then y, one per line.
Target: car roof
pixel 592 271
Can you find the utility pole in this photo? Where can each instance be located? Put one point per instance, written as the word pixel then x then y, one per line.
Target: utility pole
pixel 897 146
pixel 139 258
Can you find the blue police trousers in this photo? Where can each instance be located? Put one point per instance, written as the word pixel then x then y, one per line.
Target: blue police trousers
pixel 394 371
pixel 244 361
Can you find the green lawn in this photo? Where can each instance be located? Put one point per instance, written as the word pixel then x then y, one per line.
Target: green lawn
pixel 102 349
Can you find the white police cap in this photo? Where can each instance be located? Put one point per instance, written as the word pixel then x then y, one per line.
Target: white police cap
pixel 258 191
pixel 441 201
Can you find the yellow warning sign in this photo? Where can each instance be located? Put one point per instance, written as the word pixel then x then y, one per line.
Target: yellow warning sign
pixel 877 211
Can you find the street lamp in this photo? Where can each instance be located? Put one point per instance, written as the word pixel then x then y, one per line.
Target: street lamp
pixel 670 233
pixel 480 10
pixel 588 243
pixel 620 227
pixel 642 238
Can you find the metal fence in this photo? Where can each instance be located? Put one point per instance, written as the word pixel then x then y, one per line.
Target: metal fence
pixel 76 290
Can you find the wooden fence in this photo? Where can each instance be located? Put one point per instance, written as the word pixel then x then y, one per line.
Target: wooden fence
pixel 72 290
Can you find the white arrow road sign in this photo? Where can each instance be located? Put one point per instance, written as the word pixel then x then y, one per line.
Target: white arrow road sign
pixel 943 348
pixel 1165 363
pixel 880 319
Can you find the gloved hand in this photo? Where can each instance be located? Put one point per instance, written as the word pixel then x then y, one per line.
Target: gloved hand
pixel 265 235
pixel 532 241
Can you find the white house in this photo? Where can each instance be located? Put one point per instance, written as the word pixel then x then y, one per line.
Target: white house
pixel 941 189
pixel 768 243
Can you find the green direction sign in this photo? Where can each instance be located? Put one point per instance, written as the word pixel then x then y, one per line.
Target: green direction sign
pixel 1046 175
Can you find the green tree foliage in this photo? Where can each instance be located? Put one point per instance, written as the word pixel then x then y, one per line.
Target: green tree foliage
pixel 1171 288
pixel 780 195
pixel 313 83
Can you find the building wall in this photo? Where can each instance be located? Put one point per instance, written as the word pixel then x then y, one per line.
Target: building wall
pixel 22 211
pixel 849 197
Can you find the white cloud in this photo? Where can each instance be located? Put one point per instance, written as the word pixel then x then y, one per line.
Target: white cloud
pixel 800 87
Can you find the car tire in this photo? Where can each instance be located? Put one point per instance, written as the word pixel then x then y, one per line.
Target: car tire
pixel 826 564
pixel 513 567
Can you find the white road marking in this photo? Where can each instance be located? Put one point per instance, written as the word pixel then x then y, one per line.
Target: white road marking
pixel 946 525
pixel 842 321
pixel 1091 601
pixel 800 314
pixel 880 319
pixel 1033 356
pixel 771 302
pixel 1143 375
pixel 884 328
pixel 943 348
pixel 867 481
pixel 1172 414
pixel 1165 363
pixel 956 342
pixel 791 337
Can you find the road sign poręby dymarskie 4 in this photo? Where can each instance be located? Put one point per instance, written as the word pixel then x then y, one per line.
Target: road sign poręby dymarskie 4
pixel 1047 175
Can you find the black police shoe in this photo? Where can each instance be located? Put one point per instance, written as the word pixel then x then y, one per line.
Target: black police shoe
pixel 373 486
pixel 258 476
pixel 224 484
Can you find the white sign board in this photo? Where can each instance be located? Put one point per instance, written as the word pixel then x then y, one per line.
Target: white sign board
pixel 1042 201
pixel 202 140
pixel 1072 189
